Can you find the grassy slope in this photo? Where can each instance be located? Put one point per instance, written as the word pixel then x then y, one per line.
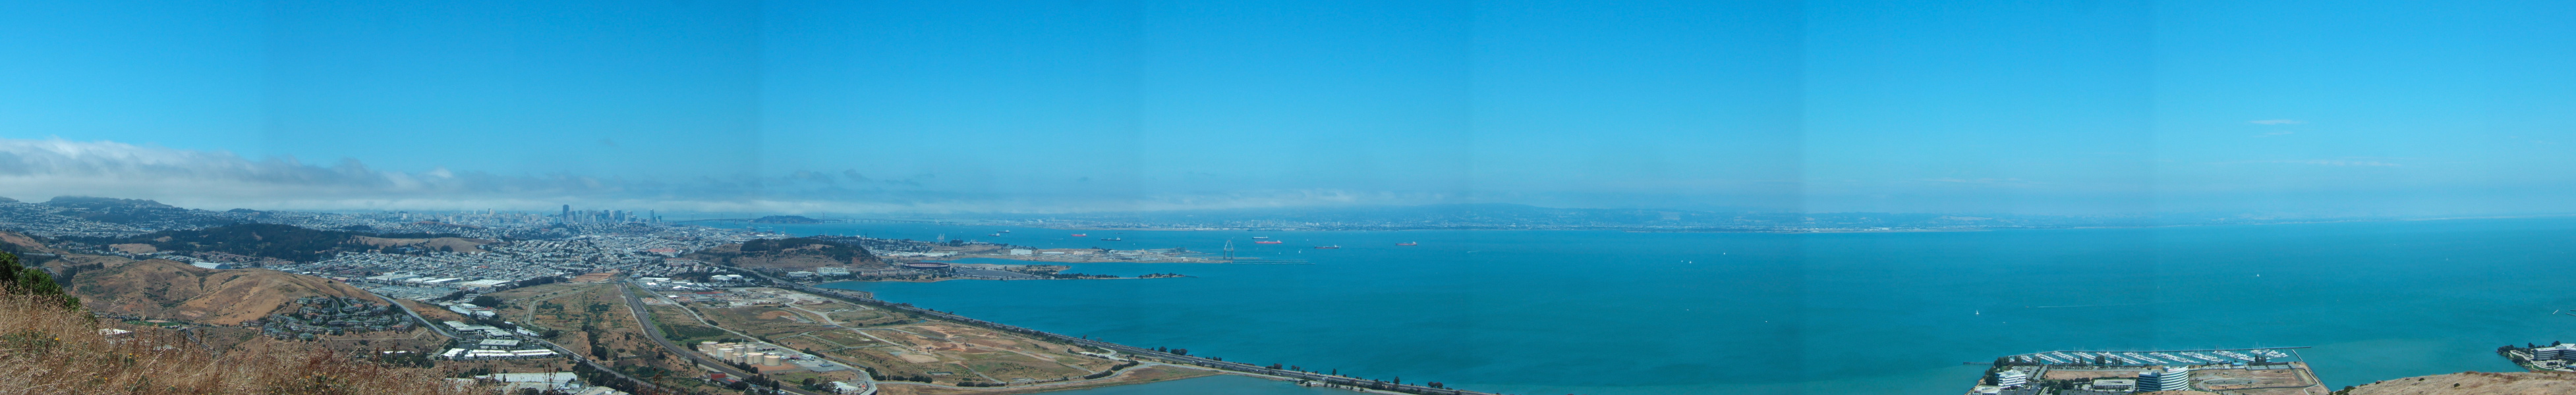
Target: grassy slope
pixel 173 290
pixel 46 349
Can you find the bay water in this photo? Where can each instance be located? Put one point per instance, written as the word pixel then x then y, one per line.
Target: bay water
pixel 1608 312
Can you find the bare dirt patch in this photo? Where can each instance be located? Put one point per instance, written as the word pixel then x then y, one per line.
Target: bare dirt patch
pixel 2475 383
pixel 134 248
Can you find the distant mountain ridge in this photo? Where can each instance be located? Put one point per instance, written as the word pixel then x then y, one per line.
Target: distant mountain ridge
pixel 82 216
pixel 287 242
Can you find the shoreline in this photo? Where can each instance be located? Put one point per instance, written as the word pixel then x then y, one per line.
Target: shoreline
pixel 1135 353
pixel 1791 231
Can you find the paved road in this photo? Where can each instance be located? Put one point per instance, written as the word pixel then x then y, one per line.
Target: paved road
pixel 645 316
pixel 595 364
pixel 439 327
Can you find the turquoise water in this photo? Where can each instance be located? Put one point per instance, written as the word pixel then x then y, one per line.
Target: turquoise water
pixel 1597 312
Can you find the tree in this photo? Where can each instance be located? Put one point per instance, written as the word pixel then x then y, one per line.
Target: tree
pixel 18 279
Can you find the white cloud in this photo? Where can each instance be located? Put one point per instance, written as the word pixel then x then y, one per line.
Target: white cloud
pixel 2277 122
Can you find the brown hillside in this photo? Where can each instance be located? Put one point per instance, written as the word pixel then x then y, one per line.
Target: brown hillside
pixel 800 258
pixel 2477 383
pixel 795 262
pixel 13 238
pixel 86 259
pixel 173 290
pixel 50 350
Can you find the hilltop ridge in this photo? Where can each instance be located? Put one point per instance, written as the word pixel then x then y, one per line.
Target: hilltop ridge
pixel 53 347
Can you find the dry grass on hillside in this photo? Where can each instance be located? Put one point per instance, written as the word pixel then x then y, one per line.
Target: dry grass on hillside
pixel 172 290
pixel 47 350
pixel 2477 383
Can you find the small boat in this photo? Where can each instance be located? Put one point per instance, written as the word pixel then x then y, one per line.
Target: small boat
pixel 1330 247
pixel 1277 242
pixel 1006 231
pixel 997 234
pixel 1079 235
pixel 1409 243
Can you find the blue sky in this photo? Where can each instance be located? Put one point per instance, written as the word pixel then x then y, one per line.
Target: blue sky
pixel 2345 108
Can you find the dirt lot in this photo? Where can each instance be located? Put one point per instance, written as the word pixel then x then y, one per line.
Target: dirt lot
pixel 2264 382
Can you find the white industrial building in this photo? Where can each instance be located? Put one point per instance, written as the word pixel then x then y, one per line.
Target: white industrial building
pixel 2552 353
pixel 2167 379
pixel 2011 378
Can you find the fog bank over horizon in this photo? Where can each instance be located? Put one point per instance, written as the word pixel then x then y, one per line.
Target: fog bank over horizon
pixel 36 170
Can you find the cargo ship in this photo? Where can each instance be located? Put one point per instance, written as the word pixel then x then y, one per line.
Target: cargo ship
pixel 1409 243
pixel 1260 237
pixel 1114 239
pixel 1268 242
pixel 1079 235
pixel 1330 247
